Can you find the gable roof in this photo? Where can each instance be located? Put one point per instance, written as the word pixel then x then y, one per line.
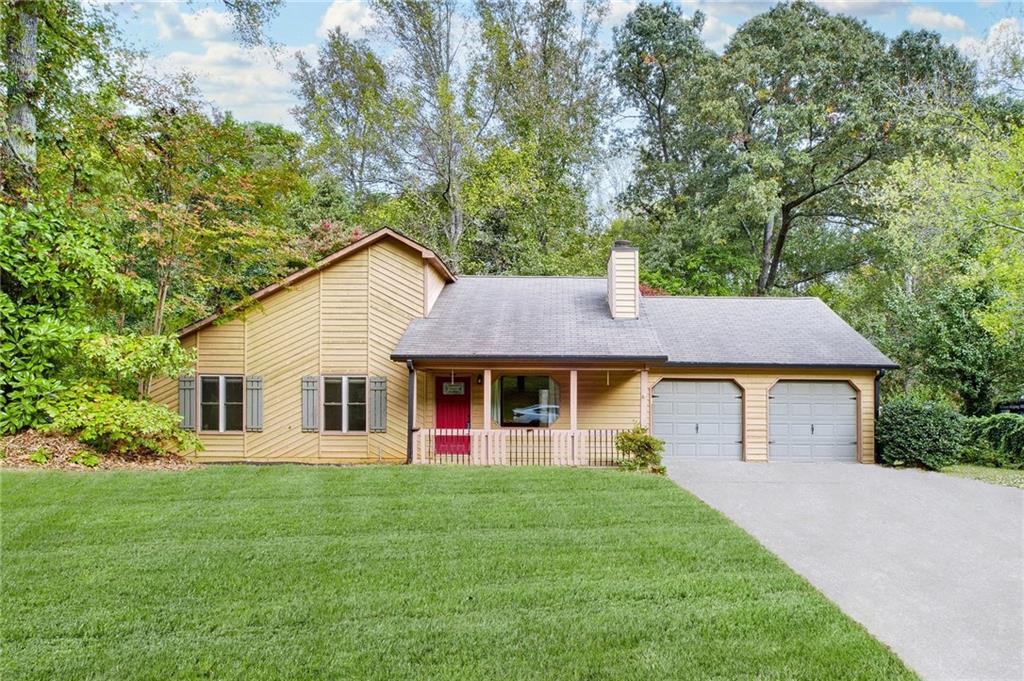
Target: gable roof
pixel 373 237
pixel 527 318
pixel 758 332
pixel 567 318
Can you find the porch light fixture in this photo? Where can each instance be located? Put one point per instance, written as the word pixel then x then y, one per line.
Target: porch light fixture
pixel 479 379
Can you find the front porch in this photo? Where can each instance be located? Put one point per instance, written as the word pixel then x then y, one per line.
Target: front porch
pixel 535 415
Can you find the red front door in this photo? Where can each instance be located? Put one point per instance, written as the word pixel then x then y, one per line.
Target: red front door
pixel 452 411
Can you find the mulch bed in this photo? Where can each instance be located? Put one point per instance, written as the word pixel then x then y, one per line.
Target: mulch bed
pixel 16 450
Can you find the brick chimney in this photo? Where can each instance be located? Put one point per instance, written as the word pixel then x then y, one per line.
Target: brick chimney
pixel 624 281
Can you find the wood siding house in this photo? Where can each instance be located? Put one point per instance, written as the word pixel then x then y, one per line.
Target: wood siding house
pixel 379 353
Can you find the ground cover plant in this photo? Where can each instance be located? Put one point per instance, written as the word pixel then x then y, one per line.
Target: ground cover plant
pixel 397 572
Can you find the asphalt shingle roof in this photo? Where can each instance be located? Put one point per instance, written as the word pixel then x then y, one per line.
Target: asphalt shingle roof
pixel 758 331
pixel 527 317
pixel 550 318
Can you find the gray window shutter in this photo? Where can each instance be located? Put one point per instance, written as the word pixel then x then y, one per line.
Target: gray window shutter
pixel 254 403
pixel 187 401
pixel 378 404
pixel 310 403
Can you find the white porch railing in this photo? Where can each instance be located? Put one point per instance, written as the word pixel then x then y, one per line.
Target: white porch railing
pixel 516 447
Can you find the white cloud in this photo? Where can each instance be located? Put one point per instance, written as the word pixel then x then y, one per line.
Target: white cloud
pixel 251 83
pixel 861 8
pixel 353 17
pixel 716 32
pixel 204 24
pixel 927 17
pixel 618 10
pixel 1000 54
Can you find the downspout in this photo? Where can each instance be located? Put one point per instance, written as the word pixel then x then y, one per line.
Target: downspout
pixel 411 410
pixel 878 397
pixel 878 406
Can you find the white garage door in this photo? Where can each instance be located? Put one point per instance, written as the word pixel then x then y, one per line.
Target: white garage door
pixel 812 421
pixel 699 418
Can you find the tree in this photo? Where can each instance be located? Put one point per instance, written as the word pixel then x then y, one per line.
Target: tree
pixel 55 273
pixel 947 299
pixel 347 114
pixel 771 146
pixel 203 217
pixel 53 49
pixel 438 135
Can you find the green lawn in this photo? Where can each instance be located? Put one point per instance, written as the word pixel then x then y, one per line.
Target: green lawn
pixel 997 476
pixel 245 572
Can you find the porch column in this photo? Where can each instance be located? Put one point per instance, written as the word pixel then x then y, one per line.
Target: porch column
pixel 645 402
pixel 574 435
pixel 487 415
pixel 572 399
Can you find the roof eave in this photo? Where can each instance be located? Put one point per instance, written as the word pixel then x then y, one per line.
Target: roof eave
pixel 787 365
pixel 432 357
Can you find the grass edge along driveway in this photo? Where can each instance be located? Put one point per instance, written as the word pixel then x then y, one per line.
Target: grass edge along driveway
pixel 401 572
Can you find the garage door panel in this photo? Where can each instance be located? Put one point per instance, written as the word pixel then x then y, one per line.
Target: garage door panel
pixel 812 421
pixel 698 418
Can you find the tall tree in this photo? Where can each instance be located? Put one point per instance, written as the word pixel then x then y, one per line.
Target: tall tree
pixel 798 116
pixel 347 113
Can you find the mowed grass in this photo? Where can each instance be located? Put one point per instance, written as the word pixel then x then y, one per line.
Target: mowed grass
pixel 1009 477
pixel 244 572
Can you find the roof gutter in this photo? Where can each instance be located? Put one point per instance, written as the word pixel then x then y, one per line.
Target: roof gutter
pixel 399 357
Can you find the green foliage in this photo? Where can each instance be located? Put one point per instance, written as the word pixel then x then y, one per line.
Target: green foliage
pixel 996 440
pixel 765 154
pixel 914 433
pixel 39 455
pixel 112 423
pixel 56 273
pixel 87 459
pixel 640 450
pixel 125 363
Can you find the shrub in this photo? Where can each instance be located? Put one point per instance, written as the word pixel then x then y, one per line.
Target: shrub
pixel 39 456
pixel 915 433
pixel 996 440
pixel 641 451
pixel 112 423
pixel 87 459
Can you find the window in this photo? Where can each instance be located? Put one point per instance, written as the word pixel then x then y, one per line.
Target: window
pixel 220 404
pixel 344 404
pixel 526 400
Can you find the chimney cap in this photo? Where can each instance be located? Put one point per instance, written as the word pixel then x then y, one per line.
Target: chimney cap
pixel 622 244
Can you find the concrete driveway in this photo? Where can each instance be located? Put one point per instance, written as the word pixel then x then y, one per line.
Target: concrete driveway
pixel 931 565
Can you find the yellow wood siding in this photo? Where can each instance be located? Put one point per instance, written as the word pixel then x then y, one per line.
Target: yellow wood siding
pixel 344 315
pixel 282 347
pixel 623 281
pixel 433 284
pixel 345 320
pixel 605 399
pixel 395 299
pixel 222 348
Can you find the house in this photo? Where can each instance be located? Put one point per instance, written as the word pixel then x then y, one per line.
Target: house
pixel 379 353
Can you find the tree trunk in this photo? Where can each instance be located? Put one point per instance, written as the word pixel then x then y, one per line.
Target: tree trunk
pixel 766 255
pixel 161 299
pixel 19 144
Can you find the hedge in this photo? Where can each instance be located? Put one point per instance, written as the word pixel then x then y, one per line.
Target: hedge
pixel 915 433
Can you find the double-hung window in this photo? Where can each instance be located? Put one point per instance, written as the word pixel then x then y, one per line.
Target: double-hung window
pixel 344 404
pixel 220 404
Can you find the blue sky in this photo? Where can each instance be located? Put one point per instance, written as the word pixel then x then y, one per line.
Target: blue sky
pixel 255 83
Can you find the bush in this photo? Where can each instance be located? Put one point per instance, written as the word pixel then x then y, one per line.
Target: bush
pixel 641 451
pixel 915 433
pixel 112 423
pixel 996 440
